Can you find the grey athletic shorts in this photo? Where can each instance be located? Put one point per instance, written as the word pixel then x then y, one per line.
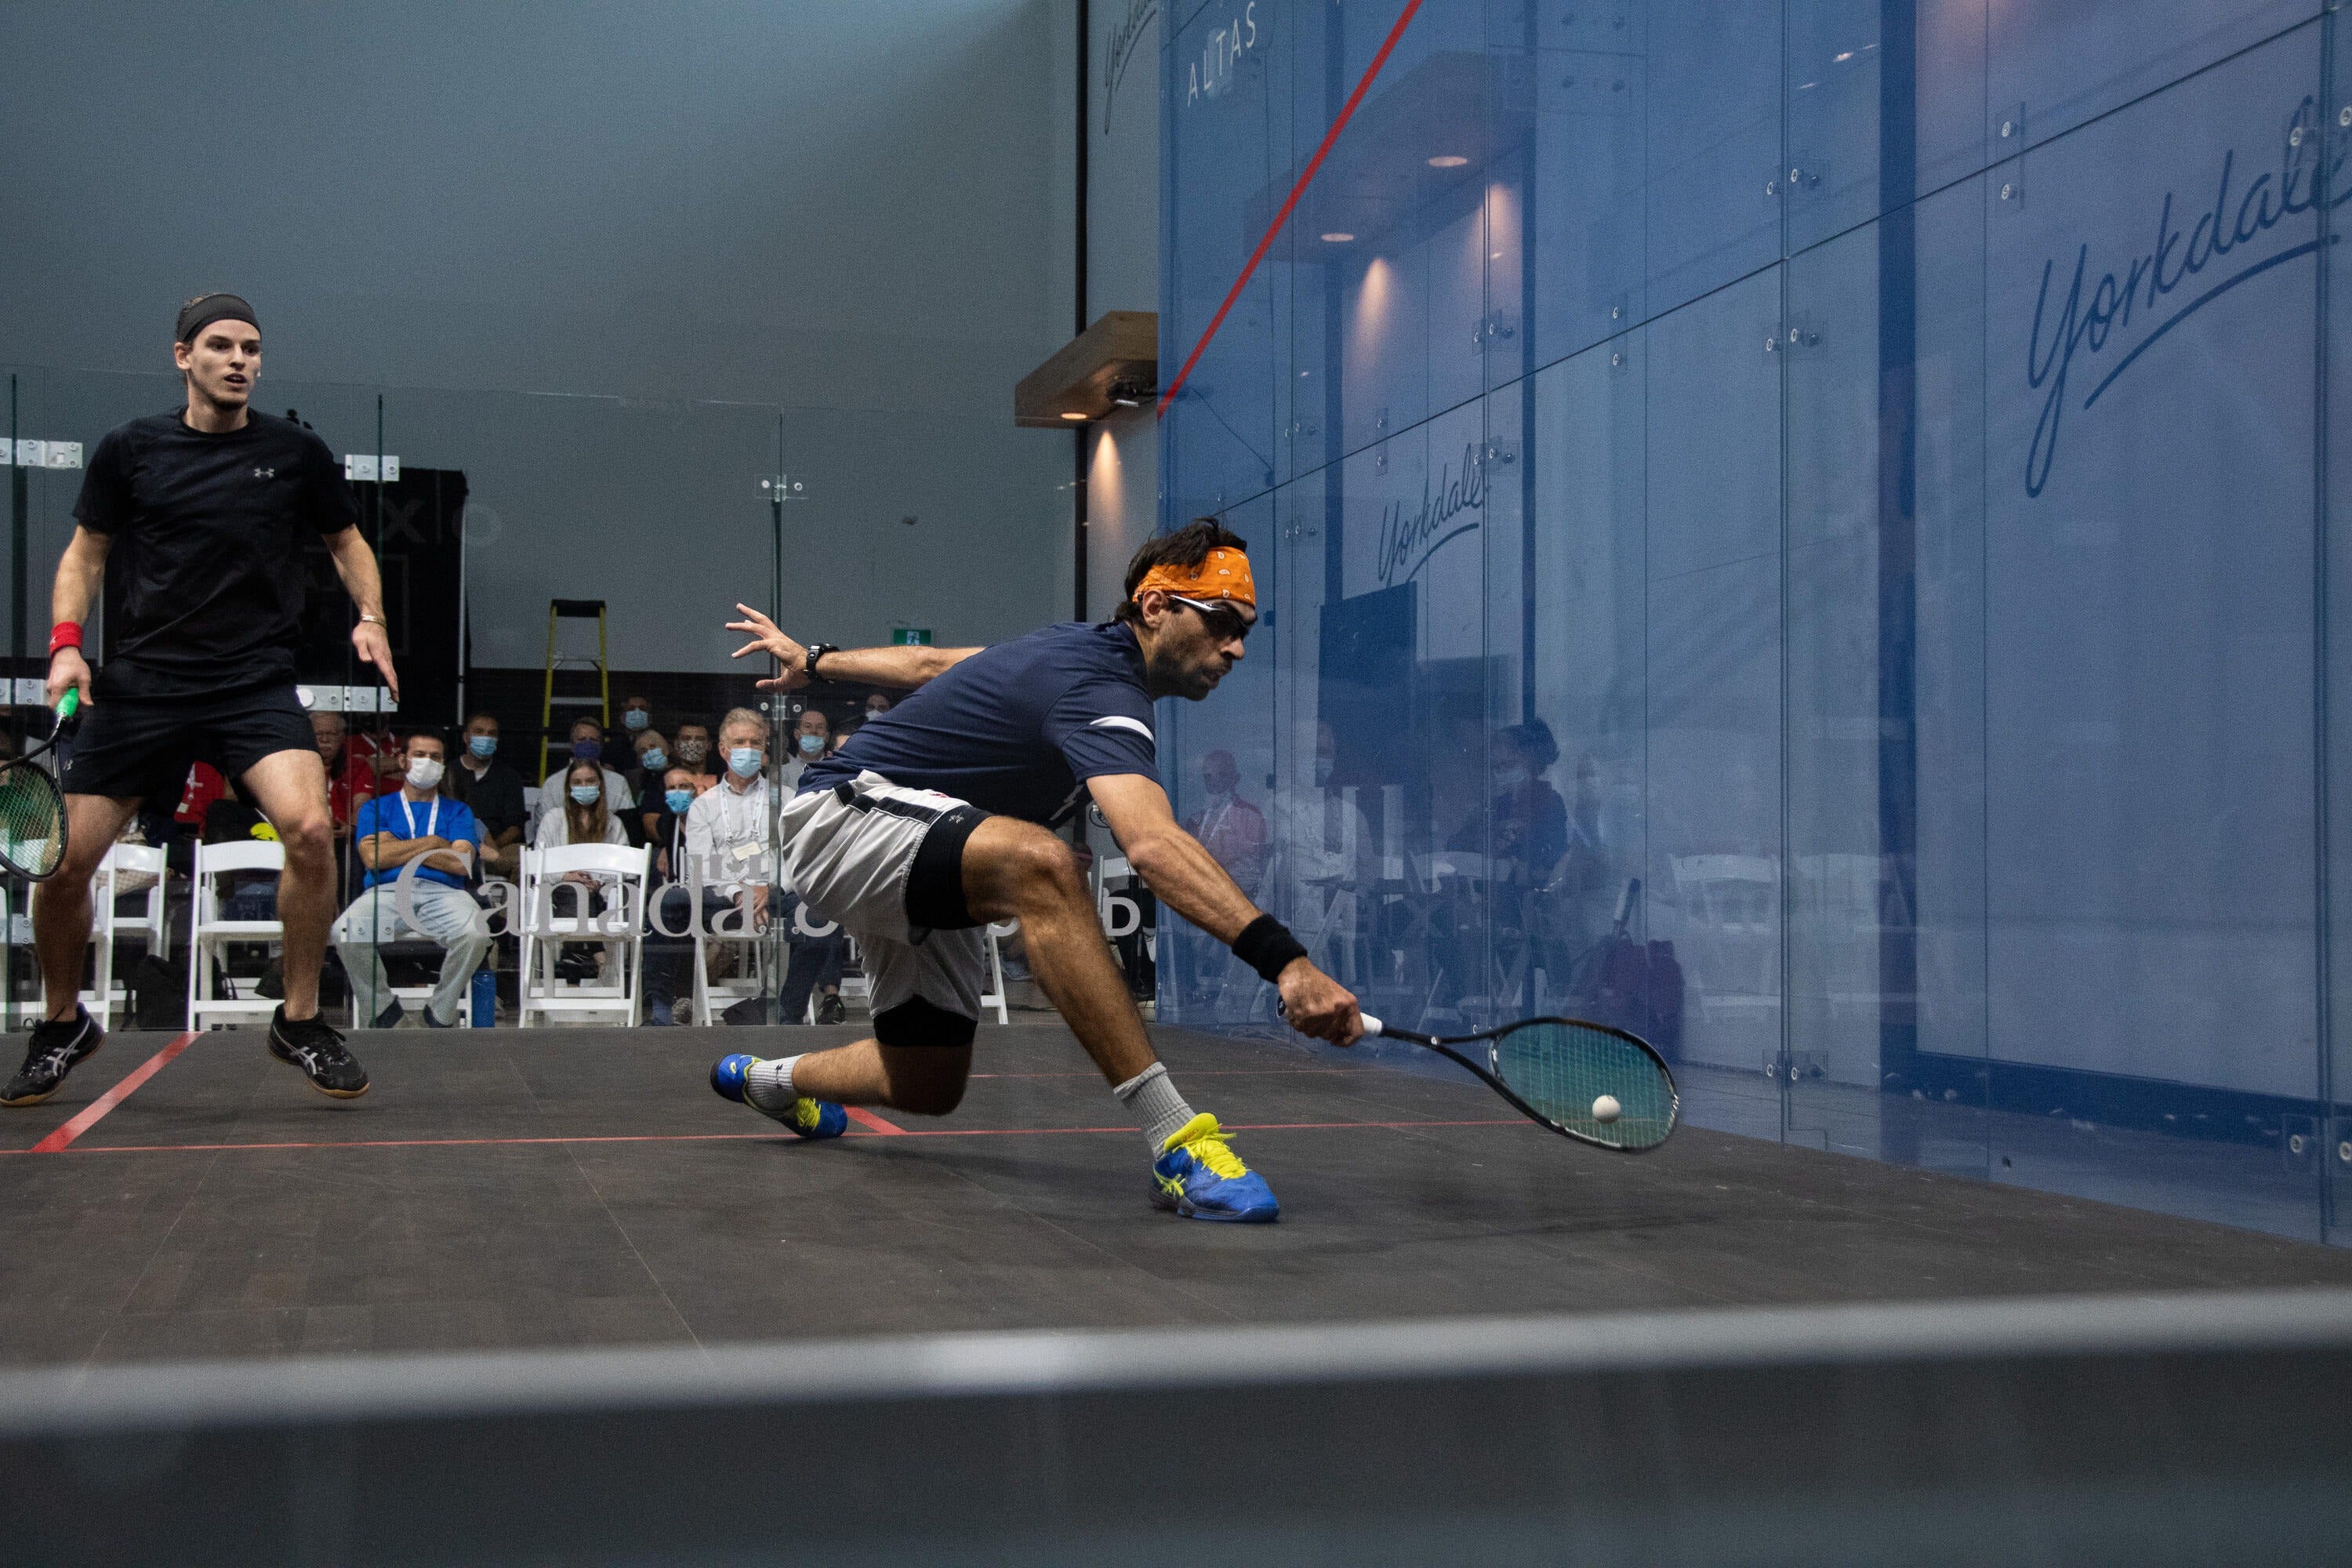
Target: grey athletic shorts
pixel 886 862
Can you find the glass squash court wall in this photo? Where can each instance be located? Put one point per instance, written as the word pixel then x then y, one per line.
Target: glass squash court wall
pixel 1808 530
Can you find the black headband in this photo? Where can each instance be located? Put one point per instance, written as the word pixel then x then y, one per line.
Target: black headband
pixel 203 311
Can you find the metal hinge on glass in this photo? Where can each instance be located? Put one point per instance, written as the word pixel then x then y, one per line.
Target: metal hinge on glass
pixel 1798 334
pixel 371 468
pixel 41 454
pixel 1496 327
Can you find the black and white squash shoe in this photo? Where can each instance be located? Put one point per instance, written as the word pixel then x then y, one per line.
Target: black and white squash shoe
pixel 314 1046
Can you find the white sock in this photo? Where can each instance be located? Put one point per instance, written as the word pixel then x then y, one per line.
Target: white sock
pixel 769 1084
pixel 1156 1106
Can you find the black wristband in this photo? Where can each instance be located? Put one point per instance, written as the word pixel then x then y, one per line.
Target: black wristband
pixel 1266 945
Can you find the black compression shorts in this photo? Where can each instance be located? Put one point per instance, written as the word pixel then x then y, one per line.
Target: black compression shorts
pixel 129 747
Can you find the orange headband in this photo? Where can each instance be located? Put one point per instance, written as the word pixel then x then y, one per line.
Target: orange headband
pixel 1224 575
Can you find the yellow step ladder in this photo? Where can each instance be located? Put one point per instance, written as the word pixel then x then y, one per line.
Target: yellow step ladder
pixel 559 658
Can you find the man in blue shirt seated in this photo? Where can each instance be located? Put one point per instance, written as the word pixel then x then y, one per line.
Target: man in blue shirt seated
pixel 419 848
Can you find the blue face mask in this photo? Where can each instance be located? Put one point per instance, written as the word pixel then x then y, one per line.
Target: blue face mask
pixel 587 750
pixel 483 746
pixel 636 718
pixel 812 744
pixel 586 794
pixel 744 759
pixel 678 799
pixel 653 759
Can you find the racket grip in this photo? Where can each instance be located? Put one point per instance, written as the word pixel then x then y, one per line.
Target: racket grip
pixel 1371 1025
pixel 68 704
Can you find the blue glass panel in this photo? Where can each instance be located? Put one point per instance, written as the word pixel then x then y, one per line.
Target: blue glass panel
pixel 1837 73
pixel 1578 575
pixel 1220 432
pixel 1840 916
pixel 1579 199
pixel 1884 101
pixel 1216 759
pixel 2149 545
pixel 1716 160
pixel 1715 430
pixel 1713 689
pixel 2059 63
pixel 2333 116
pixel 1947 476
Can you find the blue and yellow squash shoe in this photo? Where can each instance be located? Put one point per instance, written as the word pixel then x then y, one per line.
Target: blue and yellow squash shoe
pixel 808 1117
pixel 1199 1175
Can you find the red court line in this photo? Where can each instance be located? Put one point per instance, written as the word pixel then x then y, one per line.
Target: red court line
pixel 1192 1072
pixel 1347 112
pixel 97 1109
pixel 750 1137
pixel 871 1122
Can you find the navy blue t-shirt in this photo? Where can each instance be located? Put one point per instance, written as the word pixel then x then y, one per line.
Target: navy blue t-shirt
pixel 1016 728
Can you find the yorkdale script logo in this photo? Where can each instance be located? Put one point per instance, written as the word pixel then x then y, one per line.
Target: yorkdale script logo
pixel 1125 39
pixel 2089 327
pixel 1420 536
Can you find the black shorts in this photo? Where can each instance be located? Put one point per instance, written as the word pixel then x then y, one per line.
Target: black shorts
pixel 141 748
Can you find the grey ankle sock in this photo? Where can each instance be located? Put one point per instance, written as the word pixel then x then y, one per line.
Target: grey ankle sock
pixel 1156 1106
pixel 769 1084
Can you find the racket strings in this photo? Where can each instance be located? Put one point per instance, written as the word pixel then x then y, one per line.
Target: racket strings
pixel 32 820
pixel 1561 1070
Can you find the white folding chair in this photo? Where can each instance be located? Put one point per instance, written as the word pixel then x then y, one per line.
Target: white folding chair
pixel 713 997
pixel 108 927
pixel 623 875
pixel 994 998
pixel 210 935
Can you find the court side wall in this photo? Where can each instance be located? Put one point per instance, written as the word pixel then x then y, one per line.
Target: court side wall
pixel 618 263
pixel 1123 213
pixel 1894 451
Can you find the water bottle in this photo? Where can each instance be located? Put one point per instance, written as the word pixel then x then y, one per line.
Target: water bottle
pixel 486 998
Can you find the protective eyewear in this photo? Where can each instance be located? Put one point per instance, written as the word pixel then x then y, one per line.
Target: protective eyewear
pixel 1225 622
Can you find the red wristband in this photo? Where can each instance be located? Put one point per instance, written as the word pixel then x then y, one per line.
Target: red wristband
pixel 65 634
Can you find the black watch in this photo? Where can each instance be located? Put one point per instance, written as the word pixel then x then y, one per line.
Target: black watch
pixel 817 650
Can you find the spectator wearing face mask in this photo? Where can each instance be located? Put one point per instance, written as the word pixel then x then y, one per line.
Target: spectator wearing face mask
pixel 585 815
pixel 587 745
pixel 730 852
pixel 666 822
pixel 416 823
pixel 812 737
pixel 621 746
pixel 493 792
pixel 644 780
pixel 876 704
pixel 694 752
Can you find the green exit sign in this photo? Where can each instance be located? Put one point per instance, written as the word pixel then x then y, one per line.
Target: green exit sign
pixel 910 637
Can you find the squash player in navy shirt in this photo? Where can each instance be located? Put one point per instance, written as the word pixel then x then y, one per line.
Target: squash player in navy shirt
pixel 933 820
pixel 195 521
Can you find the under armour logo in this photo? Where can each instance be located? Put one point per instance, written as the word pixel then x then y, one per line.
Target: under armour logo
pixel 265 473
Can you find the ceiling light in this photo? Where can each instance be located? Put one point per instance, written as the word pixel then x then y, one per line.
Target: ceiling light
pixel 1844 58
pixel 1335 237
pixel 1073 414
pixel 1448 161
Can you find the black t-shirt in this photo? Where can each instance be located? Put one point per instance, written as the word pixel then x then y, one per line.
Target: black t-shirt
pixel 207 537
pixel 495 799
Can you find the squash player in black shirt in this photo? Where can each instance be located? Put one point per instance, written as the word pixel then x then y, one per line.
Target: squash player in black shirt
pixel 195 519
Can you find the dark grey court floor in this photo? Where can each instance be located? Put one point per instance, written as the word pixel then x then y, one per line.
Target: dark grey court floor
pixel 504 1189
